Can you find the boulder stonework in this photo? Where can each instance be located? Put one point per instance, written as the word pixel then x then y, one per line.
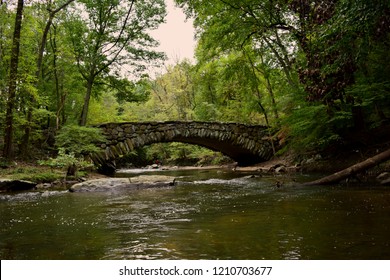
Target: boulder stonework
pixel 246 144
pixel 124 184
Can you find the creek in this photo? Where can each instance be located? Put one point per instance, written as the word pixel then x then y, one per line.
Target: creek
pixel 208 214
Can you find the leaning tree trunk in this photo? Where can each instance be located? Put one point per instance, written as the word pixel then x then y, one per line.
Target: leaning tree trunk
pixel 84 113
pixel 354 169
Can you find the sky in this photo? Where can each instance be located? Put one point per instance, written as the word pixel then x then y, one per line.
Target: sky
pixel 176 36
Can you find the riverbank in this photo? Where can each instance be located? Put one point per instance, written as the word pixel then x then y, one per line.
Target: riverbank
pixel 49 177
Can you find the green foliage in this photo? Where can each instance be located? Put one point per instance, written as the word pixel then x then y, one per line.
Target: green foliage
pixel 136 158
pixel 183 154
pixel 128 91
pixel 230 89
pixel 64 160
pixel 79 140
pixel 105 103
pixel 314 72
pixel 309 130
pixel 251 55
pixel 110 35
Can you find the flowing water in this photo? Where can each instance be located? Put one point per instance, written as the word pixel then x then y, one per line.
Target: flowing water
pixel 208 214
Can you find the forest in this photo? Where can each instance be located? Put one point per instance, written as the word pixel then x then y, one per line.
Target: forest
pixel 316 72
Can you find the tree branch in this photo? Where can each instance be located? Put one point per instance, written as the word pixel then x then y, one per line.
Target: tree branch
pixel 123 27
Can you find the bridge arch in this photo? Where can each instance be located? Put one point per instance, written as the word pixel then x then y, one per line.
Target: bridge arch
pixel 245 144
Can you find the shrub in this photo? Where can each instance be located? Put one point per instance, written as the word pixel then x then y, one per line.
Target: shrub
pixel 79 140
pixel 68 161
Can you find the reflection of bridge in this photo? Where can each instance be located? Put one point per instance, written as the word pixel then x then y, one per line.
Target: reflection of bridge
pixel 246 144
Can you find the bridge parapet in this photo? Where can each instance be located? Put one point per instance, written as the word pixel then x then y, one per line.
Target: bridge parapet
pixel 246 144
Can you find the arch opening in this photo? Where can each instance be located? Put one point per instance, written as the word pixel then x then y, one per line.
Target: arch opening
pixel 172 154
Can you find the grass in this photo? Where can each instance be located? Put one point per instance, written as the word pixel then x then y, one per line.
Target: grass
pixel 37 174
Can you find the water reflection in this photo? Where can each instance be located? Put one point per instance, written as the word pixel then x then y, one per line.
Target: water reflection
pixel 207 215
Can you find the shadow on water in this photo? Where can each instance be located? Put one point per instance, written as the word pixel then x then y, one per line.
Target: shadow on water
pixel 208 214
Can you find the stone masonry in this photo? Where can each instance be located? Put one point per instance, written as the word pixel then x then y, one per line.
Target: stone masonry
pixel 246 144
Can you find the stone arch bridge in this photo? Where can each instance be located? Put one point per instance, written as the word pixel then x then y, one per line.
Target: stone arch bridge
pixel 245 144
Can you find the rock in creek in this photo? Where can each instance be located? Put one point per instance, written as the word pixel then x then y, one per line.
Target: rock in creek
pixel 122 184
pixel 386 182
pixel 9 185
pixel 384 178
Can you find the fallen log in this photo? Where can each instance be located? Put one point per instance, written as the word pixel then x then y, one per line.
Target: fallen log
pixel 352 170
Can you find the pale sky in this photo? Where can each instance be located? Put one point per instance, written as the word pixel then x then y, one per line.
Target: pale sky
pixel 176 36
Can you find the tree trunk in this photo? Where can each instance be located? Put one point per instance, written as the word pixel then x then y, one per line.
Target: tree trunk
pixel 272 96
pixel 8 136
pixel 87 98
pixel 354 169
pixel 60 95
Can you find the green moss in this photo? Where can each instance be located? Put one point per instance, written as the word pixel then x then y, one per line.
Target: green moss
pixel 32 173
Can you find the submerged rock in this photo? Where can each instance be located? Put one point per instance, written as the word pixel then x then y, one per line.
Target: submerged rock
pixel 384 178
pixel 9 185
pixel 386 182
pixel 122 184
